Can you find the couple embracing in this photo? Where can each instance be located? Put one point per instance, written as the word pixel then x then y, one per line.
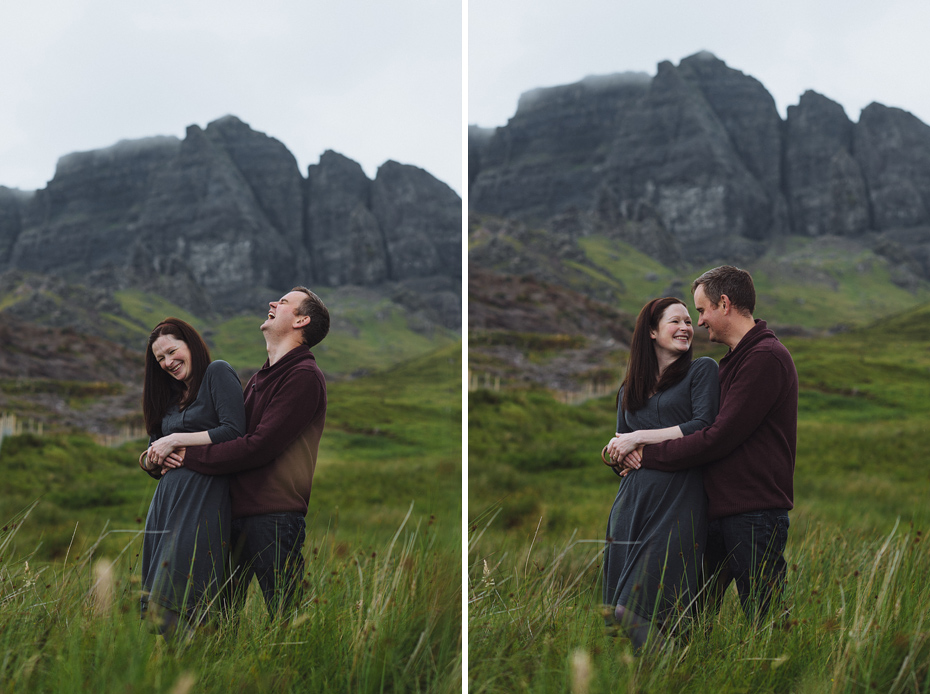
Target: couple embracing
pixel 707 463
pixel 234 471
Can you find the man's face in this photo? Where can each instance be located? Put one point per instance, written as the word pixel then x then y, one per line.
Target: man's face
pixel 710 315
pixel 282 314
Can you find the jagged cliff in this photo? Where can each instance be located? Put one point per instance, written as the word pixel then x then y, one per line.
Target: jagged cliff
pixel 695 163
pixel 217 220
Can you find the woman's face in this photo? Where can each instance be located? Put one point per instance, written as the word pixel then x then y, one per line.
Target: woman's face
pixel 674 332
pixel 174 356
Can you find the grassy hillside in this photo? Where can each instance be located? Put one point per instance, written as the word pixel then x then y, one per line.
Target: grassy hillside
pixel 368 332
pixel 392 438
pixel 584 292
pixel 382 608
pixel 863 408
pixel 812 284
pixel 539 499
pixel 75 363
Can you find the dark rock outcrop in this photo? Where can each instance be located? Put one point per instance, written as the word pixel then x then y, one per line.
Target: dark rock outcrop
pixel 223 217
pixel 12 204
pixel 699 154
pixel 346 243
pixel 827 191
pixel 421 220
pixel 893 150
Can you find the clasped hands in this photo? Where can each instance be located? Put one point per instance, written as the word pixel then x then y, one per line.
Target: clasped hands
pixel 164 454
pixel 625 453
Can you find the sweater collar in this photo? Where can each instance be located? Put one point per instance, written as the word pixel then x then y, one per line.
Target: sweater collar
pixel 299 353
pixel 756 333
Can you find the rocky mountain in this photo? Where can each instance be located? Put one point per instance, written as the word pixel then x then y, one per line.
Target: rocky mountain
pixel 221 218
pixel 695 164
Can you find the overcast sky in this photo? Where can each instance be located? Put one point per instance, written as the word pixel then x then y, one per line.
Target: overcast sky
pixel 373 81
pixel 851 51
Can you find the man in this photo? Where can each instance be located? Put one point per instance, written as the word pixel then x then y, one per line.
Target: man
pixel 272 465
pixel 749 449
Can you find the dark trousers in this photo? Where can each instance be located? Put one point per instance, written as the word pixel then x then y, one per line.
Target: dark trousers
pixel 267 547
pixel 748 548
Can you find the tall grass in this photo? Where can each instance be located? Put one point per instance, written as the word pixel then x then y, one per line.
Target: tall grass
pixel 381 607
pixel 857 596
pixel 367 622
pixel 857 620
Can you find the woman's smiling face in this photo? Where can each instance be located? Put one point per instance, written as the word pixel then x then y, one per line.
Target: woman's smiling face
pixel 674 331
pixel 174 356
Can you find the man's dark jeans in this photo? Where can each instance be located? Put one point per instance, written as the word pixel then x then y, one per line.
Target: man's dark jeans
pixel 267 547
pixel 748 548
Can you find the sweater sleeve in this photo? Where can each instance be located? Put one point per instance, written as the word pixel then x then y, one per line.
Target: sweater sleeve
pixel 761 383
pixel 296 402
pixel 226 393
pixel 705 395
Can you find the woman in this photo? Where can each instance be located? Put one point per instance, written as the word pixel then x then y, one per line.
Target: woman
pixel 658 523
pixel 186 401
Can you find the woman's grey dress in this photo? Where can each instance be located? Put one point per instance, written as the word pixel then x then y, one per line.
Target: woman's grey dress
pixel 658 523
pixel 187 528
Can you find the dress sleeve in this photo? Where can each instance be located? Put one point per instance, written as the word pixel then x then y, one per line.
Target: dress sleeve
pixel 622 427
pixel 154 474
pixel 705 395
pixel 226 392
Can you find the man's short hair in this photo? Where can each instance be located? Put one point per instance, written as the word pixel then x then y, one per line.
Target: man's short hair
pixel 318 327
pixel 735 283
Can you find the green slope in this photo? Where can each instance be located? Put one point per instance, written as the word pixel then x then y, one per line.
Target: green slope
pixel 811 284
pixel 367 332
pixel 392 439
pixel 863 407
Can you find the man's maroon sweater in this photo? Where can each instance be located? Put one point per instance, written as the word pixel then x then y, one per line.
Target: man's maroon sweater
pixel 273 464
pixel 750 448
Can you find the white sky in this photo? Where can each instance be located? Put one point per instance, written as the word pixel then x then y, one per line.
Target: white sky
pixel 373 81
pixel 852 51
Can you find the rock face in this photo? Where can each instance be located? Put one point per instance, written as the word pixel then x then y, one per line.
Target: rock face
pixel 700 153
pixel 893 148
pixel 827 192
pixel 225 217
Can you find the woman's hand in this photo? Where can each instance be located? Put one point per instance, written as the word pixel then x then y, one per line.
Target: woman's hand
pixel 622 445
pixel 161 449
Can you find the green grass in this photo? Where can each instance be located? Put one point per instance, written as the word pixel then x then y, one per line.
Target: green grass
pixel 814 284
pixel 369 621
pixel 367 333
pixel 829 289
pixel 640 276
pixel 147 310
pixel 374 335
pixel 382 610
pixel 77 394
pixel 858 622
pixel 539 497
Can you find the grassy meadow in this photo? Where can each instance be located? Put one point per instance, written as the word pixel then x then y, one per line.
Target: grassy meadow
pixel 367 330
pixel 858 551
pixel 811 283
pixel 382 605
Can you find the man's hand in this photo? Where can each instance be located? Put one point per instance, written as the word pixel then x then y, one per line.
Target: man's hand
pixel 633 459
pixel 175 459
